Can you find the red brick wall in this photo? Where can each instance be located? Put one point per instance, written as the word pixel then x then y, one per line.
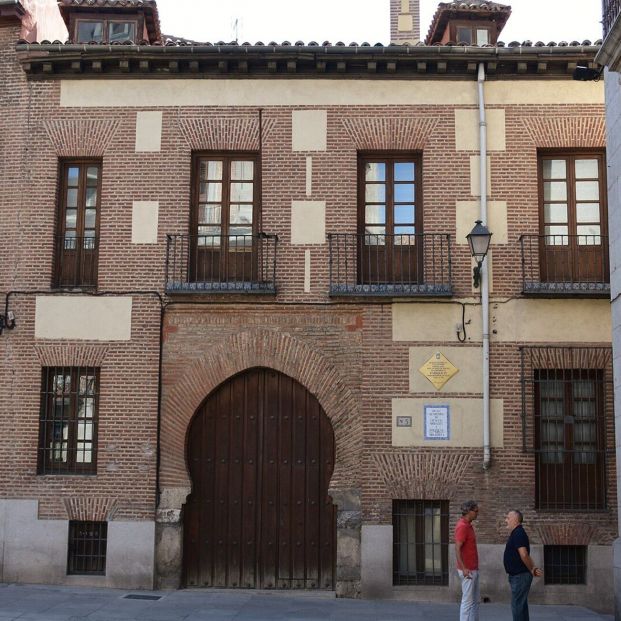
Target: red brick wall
pixel 343 352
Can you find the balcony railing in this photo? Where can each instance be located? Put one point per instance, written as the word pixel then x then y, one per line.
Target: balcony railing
pixel 610 11
pixel 565 265
pixel 398 265
pixel 221 263
pixel 76 262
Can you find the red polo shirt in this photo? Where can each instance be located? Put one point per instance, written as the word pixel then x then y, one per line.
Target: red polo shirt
pixel 464 533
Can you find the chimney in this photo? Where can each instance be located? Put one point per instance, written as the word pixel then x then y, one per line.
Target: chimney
pixel 405 21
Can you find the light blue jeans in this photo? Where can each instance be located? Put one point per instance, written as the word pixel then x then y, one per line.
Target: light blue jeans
pixel 470 596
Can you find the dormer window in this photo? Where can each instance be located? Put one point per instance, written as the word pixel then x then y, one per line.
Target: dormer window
pixel 105 30
pixel 473 35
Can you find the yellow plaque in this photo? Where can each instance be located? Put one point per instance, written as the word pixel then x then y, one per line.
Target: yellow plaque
pixel 438 370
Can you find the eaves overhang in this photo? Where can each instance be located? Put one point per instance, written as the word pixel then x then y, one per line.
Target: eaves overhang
pixel 610 52
pixel 50 60
pixel 11 9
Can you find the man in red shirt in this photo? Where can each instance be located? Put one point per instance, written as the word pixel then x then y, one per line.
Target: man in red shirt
pixel 468 562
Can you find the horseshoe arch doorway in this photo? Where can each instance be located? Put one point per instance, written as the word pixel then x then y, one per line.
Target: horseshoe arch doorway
pixel 260 453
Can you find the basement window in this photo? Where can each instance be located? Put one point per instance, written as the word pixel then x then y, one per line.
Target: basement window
pixel 565 564
pixel 87 548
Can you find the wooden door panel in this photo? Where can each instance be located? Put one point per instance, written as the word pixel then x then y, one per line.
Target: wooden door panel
pixel 260 454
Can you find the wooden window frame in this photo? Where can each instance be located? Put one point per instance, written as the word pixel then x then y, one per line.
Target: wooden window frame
pixel 573 261
pixel 474 26
pixel 224 264
pixel 106 19
pixel 570 156
pixel 392 269
pixel 569 469
pixel 48 419
pixel 420 577
pixel 61 224
pixel 86 555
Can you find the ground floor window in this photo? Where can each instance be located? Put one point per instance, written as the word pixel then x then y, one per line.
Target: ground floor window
pixel 420 541
pixel 565 564
pixel 68 420
pixel 87 548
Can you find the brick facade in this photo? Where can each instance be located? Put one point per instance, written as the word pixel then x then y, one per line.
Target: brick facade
pixel 344 351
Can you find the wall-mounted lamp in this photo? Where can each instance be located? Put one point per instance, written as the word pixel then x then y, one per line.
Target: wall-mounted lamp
pixel 587 74
pixel 478 239
pixel 7 321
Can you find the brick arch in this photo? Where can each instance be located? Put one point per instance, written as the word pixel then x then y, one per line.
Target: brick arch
pixel 260 348
pixel 567 132
pixel 421 475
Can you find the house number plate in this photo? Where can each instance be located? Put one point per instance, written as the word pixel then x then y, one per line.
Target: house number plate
pixel 404 421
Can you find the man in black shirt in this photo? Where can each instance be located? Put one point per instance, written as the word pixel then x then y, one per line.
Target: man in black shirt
pixel 519 565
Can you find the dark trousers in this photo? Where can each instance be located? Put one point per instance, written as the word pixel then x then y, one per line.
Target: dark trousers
pixel 520 586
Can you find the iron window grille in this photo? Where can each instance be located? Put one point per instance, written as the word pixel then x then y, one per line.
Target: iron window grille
pixel 68 420
pixel 565 564
pixel 420 542
pixel 567 422
pixel 87 548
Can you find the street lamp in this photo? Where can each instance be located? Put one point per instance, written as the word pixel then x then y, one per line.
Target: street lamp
pixel 478 239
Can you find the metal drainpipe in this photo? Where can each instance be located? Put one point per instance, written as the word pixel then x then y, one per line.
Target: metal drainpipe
pixel 487 452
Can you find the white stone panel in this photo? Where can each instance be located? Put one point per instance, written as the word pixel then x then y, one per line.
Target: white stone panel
pixel 145 216
pixel 475 175
pixel 435 322
pixel 468 212
pixel 466 422
pixel 405 23
pixel 469 361
pixel 308 222
pixel 307 271
pixel 467 131
pixel 376 561
pixel 35 550
pixel 148 131
pixel 252 93
pixel 83 318
pixel 309 176
pixel 131 555
pixel 309 131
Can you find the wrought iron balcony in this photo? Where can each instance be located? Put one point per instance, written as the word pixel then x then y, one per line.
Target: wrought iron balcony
pixel 394 265
pixel 76 262
pixel 565 265
pixel 610 11
pixel 221 263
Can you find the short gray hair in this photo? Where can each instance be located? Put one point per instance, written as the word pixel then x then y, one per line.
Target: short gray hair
pixel 468 506
pixel 519 514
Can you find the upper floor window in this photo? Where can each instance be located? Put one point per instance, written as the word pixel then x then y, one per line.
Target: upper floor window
pixel 473 34
pixel 77 243
pixel 105 30
pixel 390 219
pixel 225 218
pixel 68 420
pixel 573 218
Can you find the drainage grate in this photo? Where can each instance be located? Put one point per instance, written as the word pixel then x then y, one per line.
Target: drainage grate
pixel 147 597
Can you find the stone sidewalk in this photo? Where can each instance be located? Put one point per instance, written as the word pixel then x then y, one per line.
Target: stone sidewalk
pixel 48 603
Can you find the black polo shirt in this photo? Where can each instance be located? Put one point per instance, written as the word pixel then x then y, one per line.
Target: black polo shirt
pixel 513 562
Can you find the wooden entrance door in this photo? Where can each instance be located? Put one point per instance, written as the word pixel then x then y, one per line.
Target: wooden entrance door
pixel 260 455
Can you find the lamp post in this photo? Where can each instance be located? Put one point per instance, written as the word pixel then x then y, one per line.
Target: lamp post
pixel 478 239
